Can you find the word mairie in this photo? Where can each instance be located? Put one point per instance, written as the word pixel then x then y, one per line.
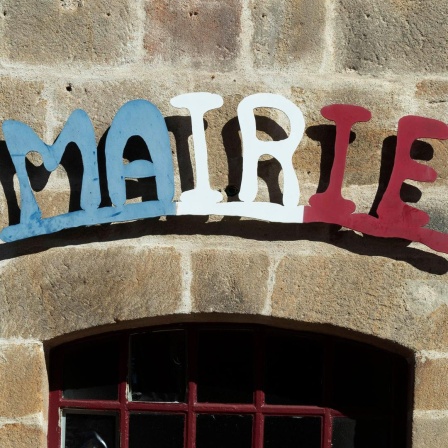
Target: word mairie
pixel 141 118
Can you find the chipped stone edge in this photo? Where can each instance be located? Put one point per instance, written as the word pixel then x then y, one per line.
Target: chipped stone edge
pixel 430 355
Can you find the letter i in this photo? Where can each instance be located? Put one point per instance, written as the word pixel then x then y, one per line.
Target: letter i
pixel 198 103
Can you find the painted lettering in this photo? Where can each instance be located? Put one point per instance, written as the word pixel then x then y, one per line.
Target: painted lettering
pixel 143 119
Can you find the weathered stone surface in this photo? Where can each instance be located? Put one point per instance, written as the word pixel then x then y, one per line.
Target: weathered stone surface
pixel 434 91
pixel 54 201
pixel 23 379
pixel 350 292
pixel 292 33
pixel 430 432
pixel 382 98
pixel 425 296
pixel 195 32
pixel 69 31
pixel 55 192
pixel 431 332
pixel 432 100
pixel 227 281
pixel 431 388
pixel 102 99
pixel 22 100
pixel 391 36
pixel 426 310
pixel 364 158
pixel 72 288
pixel 368 294
pixel 16 435
pixel 432 198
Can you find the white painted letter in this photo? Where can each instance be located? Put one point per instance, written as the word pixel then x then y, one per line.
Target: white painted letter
pixel 282 150
pixel 198 103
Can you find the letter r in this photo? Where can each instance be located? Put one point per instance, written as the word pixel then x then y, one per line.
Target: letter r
pixel 282 150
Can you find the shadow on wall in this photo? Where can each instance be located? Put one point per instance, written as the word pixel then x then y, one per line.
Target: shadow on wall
pixel 268 170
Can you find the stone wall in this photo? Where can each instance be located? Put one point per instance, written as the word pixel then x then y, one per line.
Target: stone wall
pixel 386 55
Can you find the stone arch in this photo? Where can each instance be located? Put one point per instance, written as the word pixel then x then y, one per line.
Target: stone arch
pixel 62 290
pixel 64 293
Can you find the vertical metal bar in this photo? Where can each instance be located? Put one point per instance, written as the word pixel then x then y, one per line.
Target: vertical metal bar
pixel 192 387
pixel 54 428
pixel 123 417
pixel 327 422
pixel 258 432
pixel 327 429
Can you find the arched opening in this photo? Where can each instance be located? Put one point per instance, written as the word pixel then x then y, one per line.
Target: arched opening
pixel 222 385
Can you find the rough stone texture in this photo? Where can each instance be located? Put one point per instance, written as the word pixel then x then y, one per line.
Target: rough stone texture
pixel 391 36
pixel 80 31
pixel 290 34
pixel 431 389
pixel 430 432
pixel 23 376
pixel 327 289
pixel 73 288
pixel 433 90
pixel 432 99
pixel 367 294
pixel 102 99
pixel 431 194
pixel 16 435
pixel 383 99
pixel 53 201
pixel 229 281
pixel 24 101
pixel 195 32
pixel 314 156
